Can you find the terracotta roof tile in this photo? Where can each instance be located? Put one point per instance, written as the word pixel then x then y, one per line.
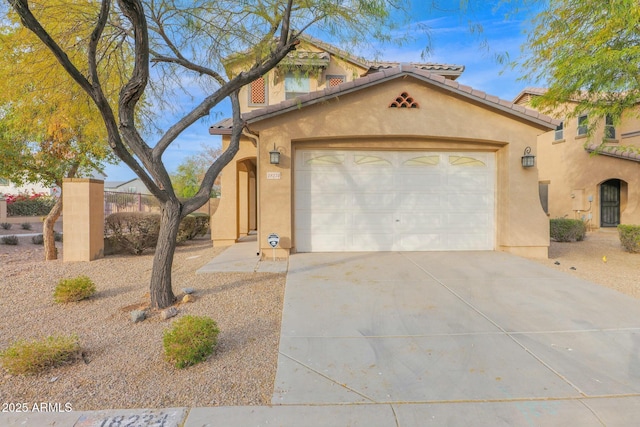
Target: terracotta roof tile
pixel 390 74
pixel 617 153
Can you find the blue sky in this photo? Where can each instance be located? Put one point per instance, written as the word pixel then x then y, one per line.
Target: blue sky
pixel 452 42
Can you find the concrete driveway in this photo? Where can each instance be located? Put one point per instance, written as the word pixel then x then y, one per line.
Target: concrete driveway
pixel 456 338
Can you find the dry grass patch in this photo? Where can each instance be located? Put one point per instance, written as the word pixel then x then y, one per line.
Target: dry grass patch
pixel 72 290
pixel 32 357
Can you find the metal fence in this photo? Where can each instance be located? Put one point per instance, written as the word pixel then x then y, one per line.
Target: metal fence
pixel 129 202
pixel 136 202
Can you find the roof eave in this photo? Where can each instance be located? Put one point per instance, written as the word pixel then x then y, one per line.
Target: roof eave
pixel 540 120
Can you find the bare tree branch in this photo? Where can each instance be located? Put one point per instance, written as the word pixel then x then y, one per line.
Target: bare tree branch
pixel 204 193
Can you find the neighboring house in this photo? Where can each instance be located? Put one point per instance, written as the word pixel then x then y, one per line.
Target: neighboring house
pixel 604 189
pixel 132 186
pixel 380 157
pixel 8 187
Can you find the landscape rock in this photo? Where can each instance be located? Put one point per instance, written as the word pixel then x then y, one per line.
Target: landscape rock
pixel 188 298
pixel 188 291
pixel 137 316
pixel 168 313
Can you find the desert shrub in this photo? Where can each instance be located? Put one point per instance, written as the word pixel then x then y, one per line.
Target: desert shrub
pixel 32 357
pixel 202 223
pixel 76 289
pixel 36 204
pixel 39 238
pixel 194 224
pixel 10 240
pixel 191 340
pixel 26 226
pixel 629 237
pixel 567 230
pixel 5 225
pixel 133 232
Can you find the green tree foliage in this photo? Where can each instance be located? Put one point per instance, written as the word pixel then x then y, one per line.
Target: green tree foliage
pixel 586 52
pixel 187 42
pixel 49 128
pixel 189 174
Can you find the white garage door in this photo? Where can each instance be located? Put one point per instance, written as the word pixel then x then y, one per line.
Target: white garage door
pixel 394 201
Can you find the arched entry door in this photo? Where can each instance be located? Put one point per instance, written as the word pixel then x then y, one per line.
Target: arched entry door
pixel 610 203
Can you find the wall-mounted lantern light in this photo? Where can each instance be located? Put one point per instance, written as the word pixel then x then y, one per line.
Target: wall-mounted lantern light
pixel 274 156
pixel 528 159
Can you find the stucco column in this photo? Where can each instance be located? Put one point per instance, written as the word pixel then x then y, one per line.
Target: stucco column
pixel 3 208
pixel 83 219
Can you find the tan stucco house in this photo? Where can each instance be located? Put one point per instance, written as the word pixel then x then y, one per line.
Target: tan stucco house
pixel 380 157
pixel 604 189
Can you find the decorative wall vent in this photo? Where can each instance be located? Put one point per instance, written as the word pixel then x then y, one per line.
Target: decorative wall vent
pixel 404 101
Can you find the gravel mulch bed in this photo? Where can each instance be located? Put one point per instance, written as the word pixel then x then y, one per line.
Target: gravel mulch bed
pixel 123 365
pixel 621 271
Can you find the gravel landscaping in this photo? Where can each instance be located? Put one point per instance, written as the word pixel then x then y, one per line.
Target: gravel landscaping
pixel 122 364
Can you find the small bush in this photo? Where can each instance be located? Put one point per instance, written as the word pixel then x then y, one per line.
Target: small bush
pixel 76 289
pixel 629 237
pixel 26 226
pixel 32 357
pixel 194 224
pixel 10 240
pixel 5 226
pixel 39 239
pixel 191 340
pixel 37 204
pixel 567 230
pixel 133 232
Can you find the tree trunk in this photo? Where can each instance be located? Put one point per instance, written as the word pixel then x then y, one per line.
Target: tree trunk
pixel 160 289
pixel 48 234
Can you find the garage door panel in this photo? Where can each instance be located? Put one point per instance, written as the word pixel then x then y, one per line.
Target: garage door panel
pixel 381 180
pixel 417 202
pixel 417 242
pixel 469 202
pixel 315 221
pixel 430 182
pixel 369 222
pixel 420 221
pixel 327 181
pixel 468 182
pixel 387 201
pixel 366 202
pixel 324 242
pixel 324 201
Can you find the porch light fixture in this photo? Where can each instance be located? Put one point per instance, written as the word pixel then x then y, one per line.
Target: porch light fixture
pixel 274 156
pixel 528 159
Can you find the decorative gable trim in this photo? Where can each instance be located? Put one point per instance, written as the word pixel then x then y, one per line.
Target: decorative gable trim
pixel 404 101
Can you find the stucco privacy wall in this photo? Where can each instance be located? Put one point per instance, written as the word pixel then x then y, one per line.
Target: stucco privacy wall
pixel 83 219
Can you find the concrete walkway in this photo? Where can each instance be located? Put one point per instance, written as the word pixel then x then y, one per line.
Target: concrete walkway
pixel 243 257
pixel 419 339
